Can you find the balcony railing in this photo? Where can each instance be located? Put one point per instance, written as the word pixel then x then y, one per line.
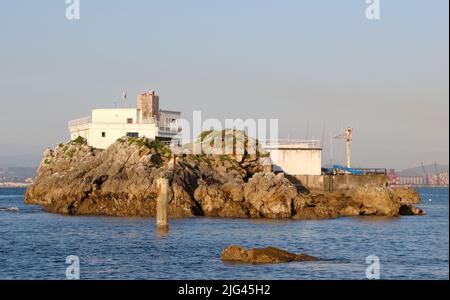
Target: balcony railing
pixel 170 129
pixel 313 144
pixel 81 121
pixel 88 120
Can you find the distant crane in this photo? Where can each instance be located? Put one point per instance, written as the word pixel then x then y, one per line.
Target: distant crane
pixel 425 175
pixel 438 180
pixel 348 136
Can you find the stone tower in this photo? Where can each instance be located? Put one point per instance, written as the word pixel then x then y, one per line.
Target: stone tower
pixel 148 106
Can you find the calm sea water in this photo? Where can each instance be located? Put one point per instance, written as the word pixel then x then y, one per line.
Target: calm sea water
pixel 34 245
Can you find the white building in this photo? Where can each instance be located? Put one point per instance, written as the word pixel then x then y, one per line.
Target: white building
pixel 296 157
pixel 106 126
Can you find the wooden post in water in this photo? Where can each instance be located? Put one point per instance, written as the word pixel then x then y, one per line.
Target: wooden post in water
pixel 162 204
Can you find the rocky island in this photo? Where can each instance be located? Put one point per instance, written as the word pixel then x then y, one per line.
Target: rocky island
pixel 77 179
pixel 269 255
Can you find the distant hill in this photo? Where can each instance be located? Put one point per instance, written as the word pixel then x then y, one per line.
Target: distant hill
pixel 22 172
pixel 16 174
pixel 18 168
pixel 24 160
pixel 418 171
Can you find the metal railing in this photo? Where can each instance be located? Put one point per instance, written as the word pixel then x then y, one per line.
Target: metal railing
pixel 88 120
pixel 170 129
pixel 291 143
pixel 337 169
pixel 81 121
pixel 375 171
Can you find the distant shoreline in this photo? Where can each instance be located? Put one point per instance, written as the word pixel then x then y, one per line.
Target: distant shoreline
pixel 12 185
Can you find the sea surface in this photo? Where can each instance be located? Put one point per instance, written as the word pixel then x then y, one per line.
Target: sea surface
pixel 34 244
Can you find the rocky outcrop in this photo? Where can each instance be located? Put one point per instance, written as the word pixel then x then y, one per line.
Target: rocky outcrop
pixel 357 201
pixel 269 255
pixel 121 181
pixel 272 196
pixel 407 195
pixel 77 179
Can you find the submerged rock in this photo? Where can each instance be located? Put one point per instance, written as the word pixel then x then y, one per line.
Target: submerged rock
pixel 410 210
pixel 9 209
pixel 269 255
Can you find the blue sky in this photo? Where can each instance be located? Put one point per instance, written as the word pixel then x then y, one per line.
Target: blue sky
pixel 303 62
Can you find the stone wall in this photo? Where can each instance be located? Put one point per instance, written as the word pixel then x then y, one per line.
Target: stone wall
pixel 338 182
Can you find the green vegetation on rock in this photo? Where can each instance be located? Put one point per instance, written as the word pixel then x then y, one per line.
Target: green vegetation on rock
pixel 79 141
pixel 156 145
pixel 204 134
pixel 138 141
pixel 69 153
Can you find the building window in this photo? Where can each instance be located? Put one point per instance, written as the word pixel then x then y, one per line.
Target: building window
pixel 103 134
pixel 130 121
pixel 132 134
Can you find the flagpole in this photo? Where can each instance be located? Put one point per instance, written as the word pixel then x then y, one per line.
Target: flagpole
pixel 125 99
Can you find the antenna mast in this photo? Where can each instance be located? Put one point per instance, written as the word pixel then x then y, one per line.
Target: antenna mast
pixel 348 137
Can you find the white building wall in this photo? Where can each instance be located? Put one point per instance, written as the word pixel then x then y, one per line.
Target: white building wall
pixel 169 119
pixel 93 132
pixel 169 125
pixel 106 126
pixel 296 161
pixel 114 115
